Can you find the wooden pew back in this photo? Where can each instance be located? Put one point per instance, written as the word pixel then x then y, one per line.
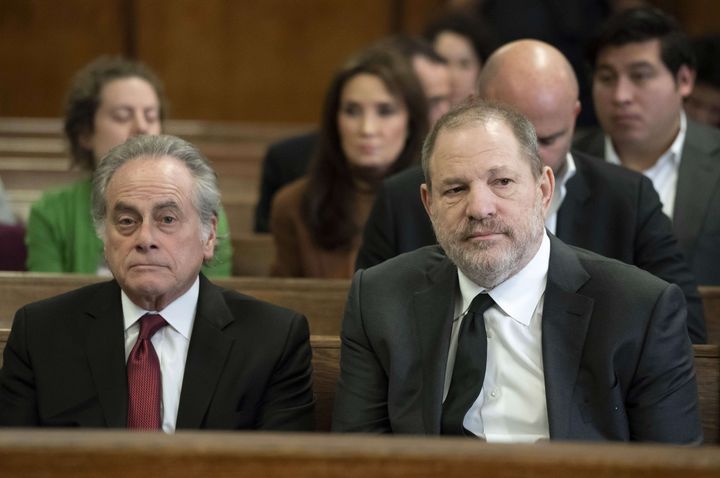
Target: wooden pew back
pixel 326 367
pixel 114 454
pixel 253 255
pixel 321 301
pixel 711 302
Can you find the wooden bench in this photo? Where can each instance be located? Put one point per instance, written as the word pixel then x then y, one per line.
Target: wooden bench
pixel 321 301
pixel 711 301
pixel 117 453
pixel 253 254
pixel 326 367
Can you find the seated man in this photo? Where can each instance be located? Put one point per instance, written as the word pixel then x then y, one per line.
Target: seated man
pixel 510 335
pixel 197 356
pixel 596 206
pixel 642 66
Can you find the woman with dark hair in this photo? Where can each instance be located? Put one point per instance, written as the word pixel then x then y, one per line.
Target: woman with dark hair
pixel 465 44
pixel 373 125
pixel 110 100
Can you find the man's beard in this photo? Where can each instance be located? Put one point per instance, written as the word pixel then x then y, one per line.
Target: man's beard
pixel 490 263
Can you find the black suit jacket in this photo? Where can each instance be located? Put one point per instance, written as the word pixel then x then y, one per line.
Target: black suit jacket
pixel 617 361
pixel 285 161
pixel 696 216
pixel 248 364
pixel 607 209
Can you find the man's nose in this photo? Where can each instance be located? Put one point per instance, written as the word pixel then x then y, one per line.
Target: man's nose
pixel 623 90
pixel 481 202
pixel 145 237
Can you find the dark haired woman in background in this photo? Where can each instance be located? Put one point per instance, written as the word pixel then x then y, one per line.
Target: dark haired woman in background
pixel 373 125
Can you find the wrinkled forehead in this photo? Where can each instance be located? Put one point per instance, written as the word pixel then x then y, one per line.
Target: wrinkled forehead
pixel 148 177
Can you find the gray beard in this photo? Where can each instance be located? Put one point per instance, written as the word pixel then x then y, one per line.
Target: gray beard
pixel 489 270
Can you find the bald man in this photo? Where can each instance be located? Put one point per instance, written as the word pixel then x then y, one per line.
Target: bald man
pixel 597 206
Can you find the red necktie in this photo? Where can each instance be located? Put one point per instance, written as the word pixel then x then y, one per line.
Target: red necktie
pixel 144 378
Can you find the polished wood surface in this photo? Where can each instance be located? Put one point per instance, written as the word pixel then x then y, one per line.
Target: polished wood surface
pixel 322 301
pixel 33 453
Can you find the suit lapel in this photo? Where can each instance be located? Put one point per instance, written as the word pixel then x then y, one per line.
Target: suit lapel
pixel 207 355
pixel 566 316
pixel 105 348
pixel 570 217
pixel 433 310
pixel 698 177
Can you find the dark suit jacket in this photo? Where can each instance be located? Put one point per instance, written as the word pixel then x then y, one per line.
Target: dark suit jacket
pixel 696 217
pixel 607 209
pixel 284 162
pixel 617 361
pixel 248 364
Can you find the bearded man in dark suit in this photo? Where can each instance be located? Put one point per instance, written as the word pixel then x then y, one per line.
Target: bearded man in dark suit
pixel 597 206
pixel 502 331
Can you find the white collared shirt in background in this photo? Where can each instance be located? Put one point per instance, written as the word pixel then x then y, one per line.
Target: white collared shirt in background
pixel 171 345
pixel 512 406
pixel 664 173
pixel 560 192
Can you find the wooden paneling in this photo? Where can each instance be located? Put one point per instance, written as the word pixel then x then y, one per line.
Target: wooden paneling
pixel 243 60
pixel 43 43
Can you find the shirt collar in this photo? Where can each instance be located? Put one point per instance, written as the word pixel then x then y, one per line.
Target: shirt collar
pixel 567 172
pixel 674 152
pixel 519 295
pixel 180 313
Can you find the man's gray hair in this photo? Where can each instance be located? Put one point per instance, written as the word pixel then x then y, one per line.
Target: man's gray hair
pixel 206 194
pixel 476 111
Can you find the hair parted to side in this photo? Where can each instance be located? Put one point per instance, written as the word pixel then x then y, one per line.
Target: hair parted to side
pixel 476 112
pixel 206 194
pixel 643 24
pixel 83 99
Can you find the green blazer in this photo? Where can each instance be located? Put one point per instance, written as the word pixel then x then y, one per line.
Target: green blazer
pixel 61 237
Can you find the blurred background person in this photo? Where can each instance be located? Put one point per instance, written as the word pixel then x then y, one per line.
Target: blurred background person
pixel 110 100
pixel 462 40
pixel 373 124
pixel 642 71
pixel 287 160
pixel 703 102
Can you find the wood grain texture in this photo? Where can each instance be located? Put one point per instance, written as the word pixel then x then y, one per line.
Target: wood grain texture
pixel 190 454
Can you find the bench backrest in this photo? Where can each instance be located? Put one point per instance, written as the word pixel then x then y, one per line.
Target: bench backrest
pixel 326 367
pixel 321 301
pixel 111 454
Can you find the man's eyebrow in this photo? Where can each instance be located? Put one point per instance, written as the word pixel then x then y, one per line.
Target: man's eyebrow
pixel 124 207
pixel 166 205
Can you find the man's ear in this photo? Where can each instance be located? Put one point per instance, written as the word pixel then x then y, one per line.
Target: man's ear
pixel 547 187
pixel 685 80
pixel 426 197
pixel 209 243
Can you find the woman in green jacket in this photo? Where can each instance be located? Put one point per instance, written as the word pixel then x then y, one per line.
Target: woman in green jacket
pixel 111 100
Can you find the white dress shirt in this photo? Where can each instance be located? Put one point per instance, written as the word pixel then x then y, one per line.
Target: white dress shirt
pixel 560 192
pixel 171 345
pixel 511 406
pixel 664 173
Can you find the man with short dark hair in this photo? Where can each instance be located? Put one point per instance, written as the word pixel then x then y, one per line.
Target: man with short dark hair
pixel 642 66
pixel 158 347
pixel 504 332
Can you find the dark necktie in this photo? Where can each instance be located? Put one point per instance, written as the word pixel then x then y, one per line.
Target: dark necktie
pixel 144 378
pixel 469 370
